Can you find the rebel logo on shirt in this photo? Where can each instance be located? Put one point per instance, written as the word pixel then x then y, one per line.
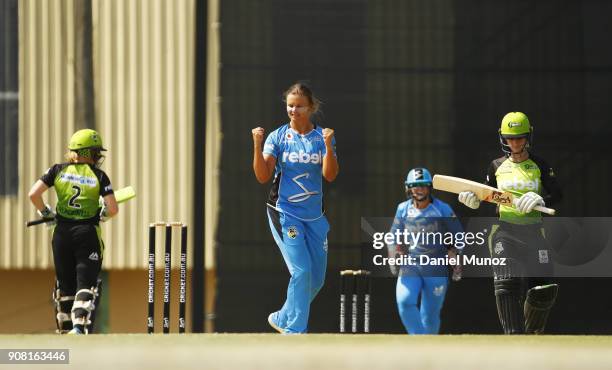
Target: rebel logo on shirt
pixel 302 157
pixel 519 184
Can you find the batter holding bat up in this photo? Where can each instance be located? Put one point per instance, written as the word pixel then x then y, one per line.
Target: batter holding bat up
pixel 524 292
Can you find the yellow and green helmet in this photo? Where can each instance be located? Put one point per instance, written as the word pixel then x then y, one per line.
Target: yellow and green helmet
pixel 86 139
pixel 515 125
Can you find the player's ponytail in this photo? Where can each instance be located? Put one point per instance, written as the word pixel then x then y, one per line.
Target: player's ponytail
pixel 71 156
pixel 92 155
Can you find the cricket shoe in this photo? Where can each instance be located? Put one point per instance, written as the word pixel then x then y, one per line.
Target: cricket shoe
pixel 77 331
pixel 273 324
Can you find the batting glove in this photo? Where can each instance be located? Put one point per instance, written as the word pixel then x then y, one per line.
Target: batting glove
pixel 469 199
pixel 395 252
pixel 528 201
pixel 47 213
pixel 103 214
pixel 457 269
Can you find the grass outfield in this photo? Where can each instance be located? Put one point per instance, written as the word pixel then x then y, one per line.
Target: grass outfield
pixel 321 351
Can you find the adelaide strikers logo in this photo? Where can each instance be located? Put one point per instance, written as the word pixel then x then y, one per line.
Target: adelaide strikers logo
pixel 292 232
pixel 289 136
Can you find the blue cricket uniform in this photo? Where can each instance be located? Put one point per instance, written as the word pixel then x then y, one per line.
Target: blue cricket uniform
pixel 428 281
pixel 297 220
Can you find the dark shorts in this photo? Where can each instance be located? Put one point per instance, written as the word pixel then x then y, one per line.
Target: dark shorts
pixel 77 254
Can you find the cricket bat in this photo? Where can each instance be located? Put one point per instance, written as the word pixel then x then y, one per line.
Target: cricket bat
pixel 121 195
pixel 483 192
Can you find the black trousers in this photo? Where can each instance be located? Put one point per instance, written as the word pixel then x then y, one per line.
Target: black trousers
pixel 77 254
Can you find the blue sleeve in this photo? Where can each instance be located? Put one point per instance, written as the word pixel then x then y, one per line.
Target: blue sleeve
pixel 397 220
pixel 451 221
pixel 271 146
pixel 397 225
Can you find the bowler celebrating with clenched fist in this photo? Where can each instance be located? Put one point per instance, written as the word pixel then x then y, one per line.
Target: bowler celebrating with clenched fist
pixel 299 154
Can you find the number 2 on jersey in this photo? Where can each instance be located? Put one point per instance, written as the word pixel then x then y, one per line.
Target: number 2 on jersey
pixel 77 193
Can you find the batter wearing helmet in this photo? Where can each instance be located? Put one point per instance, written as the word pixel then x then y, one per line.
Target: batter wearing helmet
pixel 524 293
pixel 77 239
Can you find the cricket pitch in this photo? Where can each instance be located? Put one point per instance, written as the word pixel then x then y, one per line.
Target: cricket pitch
pixel 321 351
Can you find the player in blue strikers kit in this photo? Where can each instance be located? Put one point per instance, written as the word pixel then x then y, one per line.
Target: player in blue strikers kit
pixel 422 213
pixel 299 154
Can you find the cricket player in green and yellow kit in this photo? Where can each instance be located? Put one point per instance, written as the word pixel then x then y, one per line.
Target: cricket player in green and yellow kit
pixel 77 242
pixel 523 290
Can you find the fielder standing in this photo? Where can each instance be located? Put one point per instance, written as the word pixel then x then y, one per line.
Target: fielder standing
pixel 299 154
pixel 77 241
pixel 422 213
pixel 523 291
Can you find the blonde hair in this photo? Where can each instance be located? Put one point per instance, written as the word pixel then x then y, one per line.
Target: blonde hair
pixel 74 157
pixel 71 156
pixel 300 88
